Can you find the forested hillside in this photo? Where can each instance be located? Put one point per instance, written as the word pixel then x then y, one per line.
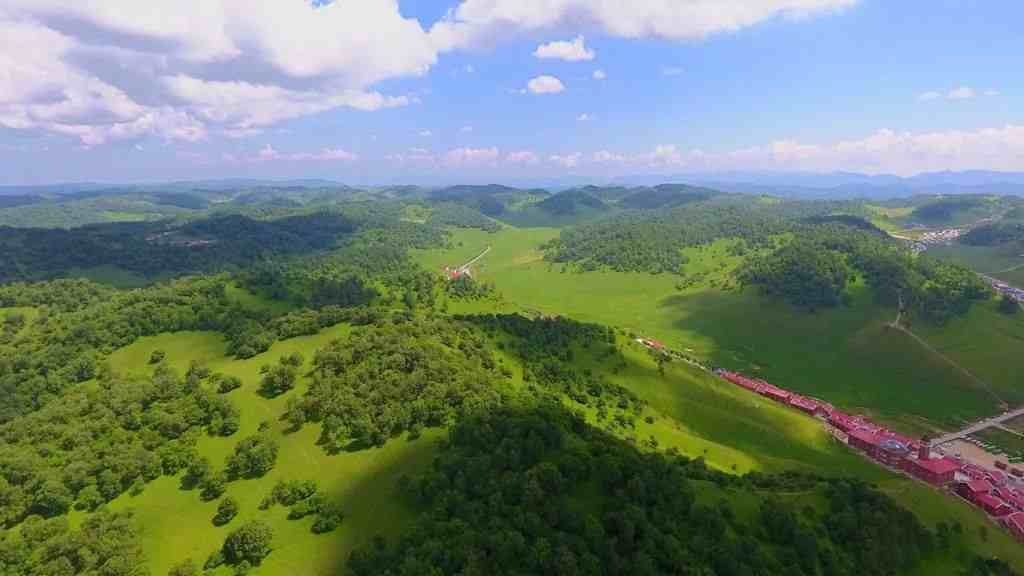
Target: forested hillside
pixel 293 391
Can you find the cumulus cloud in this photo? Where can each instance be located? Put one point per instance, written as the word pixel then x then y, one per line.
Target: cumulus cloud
pixel 425 133
pixel 671 71
pixel 522 157
pixel 99 70
pixel 545 85
pixel 476 22
pixel 599 74
pixel 573 50
pixel 958 93
pixel 883 152
pixel 466 129
pixel 961 93
pixel 566 160
pixel 471 156
pixel 584 117
pixel 104 69
pixel 270 154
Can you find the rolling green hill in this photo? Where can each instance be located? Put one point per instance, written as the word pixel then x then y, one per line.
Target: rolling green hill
pixel 516 403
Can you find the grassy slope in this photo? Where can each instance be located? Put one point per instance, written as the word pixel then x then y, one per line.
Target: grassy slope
pixel 868 363
pixel 992 260
pixel 847 356
pixel 177 523
pixel 732 429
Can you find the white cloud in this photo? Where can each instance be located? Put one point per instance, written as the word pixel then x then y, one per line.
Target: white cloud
pixel 106 69
pixel 607 157
pixel 599 74
pixel 574 50
pixel 466 129
pixel 584 117
pixel 270 154
pixel 567 160
pixel 883 152
pixel 961 93
pixel 476 22
pixel 671 71
pixel 522 157
pixel 545 85
pixel 471 156
pixel 426 133
pixel 469 69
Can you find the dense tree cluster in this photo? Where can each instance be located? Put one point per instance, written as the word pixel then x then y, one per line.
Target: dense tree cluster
pixel 652 241
pixel 67 341
pixel 461 216
pixel 253 457
pixel 548 348
pixel 537 491
pixel 943 210
pixel 105 544
pixel 803 273
pixel 995 234
pixel 94 443
pixel 395 376
pixel 280 378
pixel 151 249
pixel 813 270
pixel 465 287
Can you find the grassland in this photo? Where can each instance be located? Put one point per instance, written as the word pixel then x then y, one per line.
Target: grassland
pixel 178 524
pixel 733 430
pixel 848 355
pixel 1004 262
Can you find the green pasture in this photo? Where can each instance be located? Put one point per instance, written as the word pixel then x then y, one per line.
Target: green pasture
pixel 177 524
pixel 847 356
pixel 1003 262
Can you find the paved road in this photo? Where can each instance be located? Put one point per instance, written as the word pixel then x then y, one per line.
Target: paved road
pixel 977 427
pixel 466 266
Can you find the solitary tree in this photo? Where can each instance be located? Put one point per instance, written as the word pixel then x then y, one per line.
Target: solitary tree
pixel 248 543
pixel 226 511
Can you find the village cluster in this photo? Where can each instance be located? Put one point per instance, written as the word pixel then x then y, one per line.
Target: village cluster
pixel 995 491
pixel 1007 290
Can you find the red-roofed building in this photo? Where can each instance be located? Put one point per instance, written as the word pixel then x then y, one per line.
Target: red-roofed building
pixel 1014 500
pixel 654 343
pixel 973 489
pixel 994 506
pixel 974 471
pixel 935 471
pixel 996 477
pixel 1015 524
pixel 863 440
pixel 842 421
pixel 803 404
pixel 775 393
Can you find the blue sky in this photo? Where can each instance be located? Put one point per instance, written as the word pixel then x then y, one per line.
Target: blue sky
pixel 438 91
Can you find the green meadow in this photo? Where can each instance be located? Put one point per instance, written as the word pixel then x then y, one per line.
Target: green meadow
pixel 178 524
pixel 1004 262
pixel 687 409
pixel 848 356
